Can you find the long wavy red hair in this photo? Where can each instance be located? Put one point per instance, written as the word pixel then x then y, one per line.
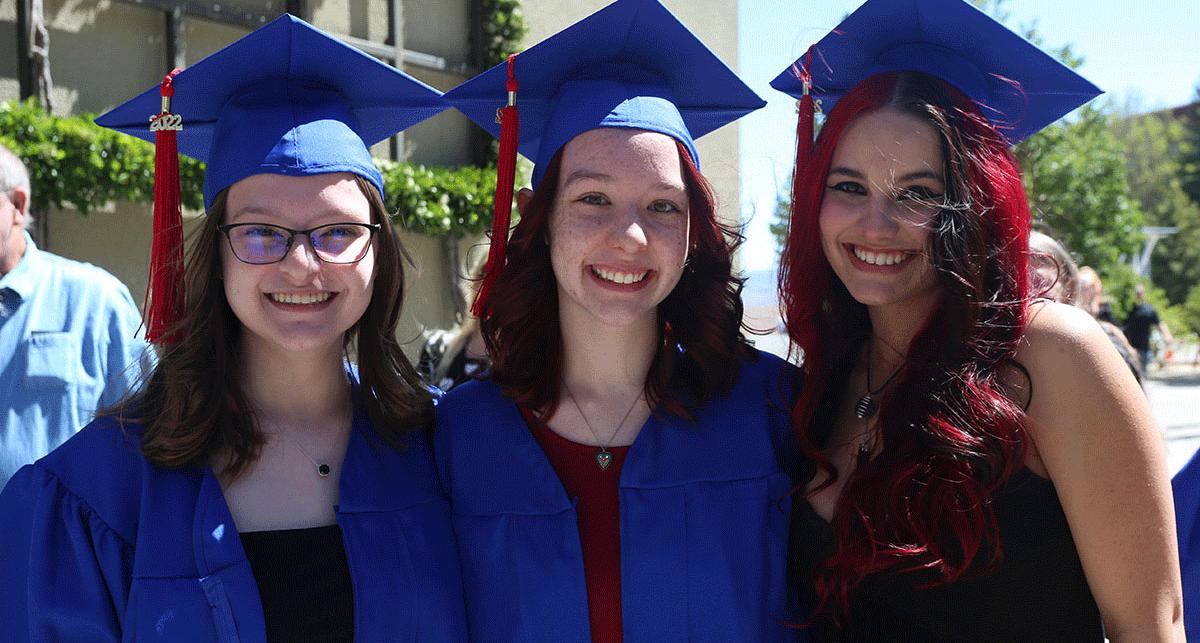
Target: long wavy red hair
pixel 699 322
pixel 951 431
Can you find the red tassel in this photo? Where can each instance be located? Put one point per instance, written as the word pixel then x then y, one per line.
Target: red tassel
pixel 164 291
pixel 804 125
pixel 506 174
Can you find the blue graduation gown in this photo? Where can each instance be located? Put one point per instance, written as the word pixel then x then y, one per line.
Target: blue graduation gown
pixel 704 519
pixel 1186 489
pixel 99 545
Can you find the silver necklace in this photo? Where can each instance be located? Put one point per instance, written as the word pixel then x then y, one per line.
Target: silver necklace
pixel 323 468
pixel 604 458
pixel 866 406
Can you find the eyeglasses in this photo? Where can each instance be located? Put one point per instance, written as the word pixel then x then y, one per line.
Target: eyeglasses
pixel 262 243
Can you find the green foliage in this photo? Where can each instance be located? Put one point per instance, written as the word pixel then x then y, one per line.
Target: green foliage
pixel 503 29
pixel 75 163
pixel 780 220
pixel 1190 158
pixel 1153 146
pixel 1190 309
pixel 439 201
pixel 1075 177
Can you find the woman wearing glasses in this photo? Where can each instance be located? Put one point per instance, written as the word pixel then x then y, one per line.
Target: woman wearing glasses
pixel 251 489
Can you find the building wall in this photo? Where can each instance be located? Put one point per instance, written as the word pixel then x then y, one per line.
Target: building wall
pixel 104 51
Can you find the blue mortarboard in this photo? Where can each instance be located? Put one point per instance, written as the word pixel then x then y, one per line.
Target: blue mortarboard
pixel 611 69
pixel 285 99
pixel 632 65
pixel 1018 87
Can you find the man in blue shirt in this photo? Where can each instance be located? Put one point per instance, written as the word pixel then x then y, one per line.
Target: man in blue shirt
pixel 67 335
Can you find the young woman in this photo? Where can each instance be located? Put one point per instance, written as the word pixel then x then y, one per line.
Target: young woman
pixel 986 467
pixel 253 490
pixel 619 473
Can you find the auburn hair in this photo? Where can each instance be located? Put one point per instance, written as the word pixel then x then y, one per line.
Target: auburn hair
pixel 700 338
pixel 950 429
pixel 192 405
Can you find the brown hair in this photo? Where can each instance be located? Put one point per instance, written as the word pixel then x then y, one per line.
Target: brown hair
pixel 193 405
pixel 700 337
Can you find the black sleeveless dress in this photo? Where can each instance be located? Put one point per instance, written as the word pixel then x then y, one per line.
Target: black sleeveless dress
pixel 1037 593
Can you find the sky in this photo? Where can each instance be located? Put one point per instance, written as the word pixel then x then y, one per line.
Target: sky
pixel 1144 54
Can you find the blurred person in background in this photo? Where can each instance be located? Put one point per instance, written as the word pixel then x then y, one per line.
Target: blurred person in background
pixel 1053 275
pixel 454 355
pixel 1089 295
pixel 1141 320
pixel 68 334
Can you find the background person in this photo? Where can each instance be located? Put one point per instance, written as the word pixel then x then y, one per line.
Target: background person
pixel 987 469
pixel 1141 320
pixel 452 356
pixel 252 489
pixel 1053 274
pixel 620 473
pixel 68 335
pixel 1089 290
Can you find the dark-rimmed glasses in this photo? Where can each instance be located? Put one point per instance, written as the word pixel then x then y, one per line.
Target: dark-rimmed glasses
pixel 264 243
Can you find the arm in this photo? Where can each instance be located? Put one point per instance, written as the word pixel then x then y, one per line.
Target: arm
pixel 1093 430
pixel 127 356
pixel 1166 332
pixel 64 575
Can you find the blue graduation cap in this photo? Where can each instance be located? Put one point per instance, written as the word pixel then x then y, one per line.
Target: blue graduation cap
pixel 1018 87
pixel 285 99
pixel 631 65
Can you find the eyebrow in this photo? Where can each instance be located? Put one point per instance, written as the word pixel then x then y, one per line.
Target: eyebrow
pixel 580 175
pixel 911 176
pixel 256 210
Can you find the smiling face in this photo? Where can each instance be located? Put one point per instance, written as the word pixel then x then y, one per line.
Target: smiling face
pixel 299 303
pixel 882 194
pixel 619 225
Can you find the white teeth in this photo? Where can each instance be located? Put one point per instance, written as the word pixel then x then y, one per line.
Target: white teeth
pixel 619 277
pixel 879 258
pixel 315 298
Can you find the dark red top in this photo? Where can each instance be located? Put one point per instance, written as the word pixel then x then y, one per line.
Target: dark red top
pixel 598 510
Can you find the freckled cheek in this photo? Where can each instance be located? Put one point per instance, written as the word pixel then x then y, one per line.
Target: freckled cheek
pixel 671 235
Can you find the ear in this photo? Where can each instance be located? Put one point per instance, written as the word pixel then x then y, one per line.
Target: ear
pixel 524 196
pixel 20 201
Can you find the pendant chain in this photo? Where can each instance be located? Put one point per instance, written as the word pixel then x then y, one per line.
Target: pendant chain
pixel 323 468
pixel 866 406
pixel 604 458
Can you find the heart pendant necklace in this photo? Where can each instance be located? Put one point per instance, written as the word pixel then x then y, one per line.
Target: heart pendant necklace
pixel 604 458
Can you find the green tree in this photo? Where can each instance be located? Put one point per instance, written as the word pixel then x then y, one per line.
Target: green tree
pixel 1191 308
pixel 1078 187
pixel 1153 146
pixel 780 219
pixel 1189 161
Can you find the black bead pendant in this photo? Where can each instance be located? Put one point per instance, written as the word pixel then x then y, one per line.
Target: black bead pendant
pixel 323 470
pixel 865 407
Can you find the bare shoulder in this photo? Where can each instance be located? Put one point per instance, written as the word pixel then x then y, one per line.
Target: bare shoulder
pixel 1059 339
pixel 1070 358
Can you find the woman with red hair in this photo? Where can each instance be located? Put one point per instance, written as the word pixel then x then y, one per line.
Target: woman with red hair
pixel 983 466
pixel 619 474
